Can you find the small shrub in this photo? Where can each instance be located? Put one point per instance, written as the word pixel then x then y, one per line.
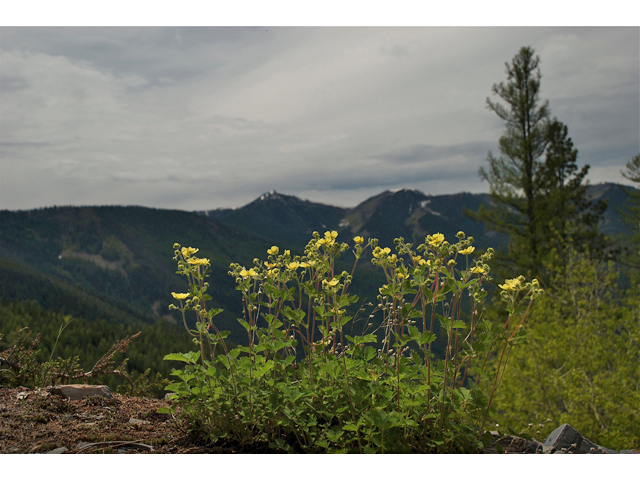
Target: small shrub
pixel 302 384
pixel 20 366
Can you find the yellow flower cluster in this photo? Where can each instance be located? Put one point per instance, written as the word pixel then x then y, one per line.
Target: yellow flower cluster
pixel 198 261
pixel 511 284
pixel 273 250
pixel 381 252
pixel 187 253
pixel 467 251
pixel 358 240
pixel 328 240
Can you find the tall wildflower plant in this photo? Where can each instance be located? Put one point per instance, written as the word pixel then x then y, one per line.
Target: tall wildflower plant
pixel 302 384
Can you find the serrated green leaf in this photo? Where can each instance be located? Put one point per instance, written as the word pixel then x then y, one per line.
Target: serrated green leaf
pixel 189 357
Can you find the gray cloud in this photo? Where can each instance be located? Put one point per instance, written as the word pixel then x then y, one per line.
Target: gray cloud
pixel 429 153
pixel 199 118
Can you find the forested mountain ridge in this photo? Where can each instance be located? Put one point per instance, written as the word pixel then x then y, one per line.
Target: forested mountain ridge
pixel 124 254
pixel 115 263
pixel 392 213
pixel 118 255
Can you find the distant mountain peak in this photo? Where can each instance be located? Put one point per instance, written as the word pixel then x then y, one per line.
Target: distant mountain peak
pixel 269 195
pixel 406 190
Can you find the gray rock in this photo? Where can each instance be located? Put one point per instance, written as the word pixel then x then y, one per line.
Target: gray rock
pixel 59 450
pixel 566 439
pixel 76 392
pixel 137 421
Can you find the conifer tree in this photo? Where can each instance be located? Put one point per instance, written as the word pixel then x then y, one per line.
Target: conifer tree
pixel 567 216
pixel 631 216
pixel 534 200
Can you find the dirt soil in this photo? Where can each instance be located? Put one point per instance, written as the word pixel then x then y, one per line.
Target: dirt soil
pixel 34 421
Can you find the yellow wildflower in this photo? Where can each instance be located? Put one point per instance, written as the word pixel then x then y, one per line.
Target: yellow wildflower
pixel 188 251
pixel 273 250
pixel 287 253
pixel 510 284
pixel 358 240
pixel 435 240
pixel 477 270
pixel 467 250
pixel 293 265
pixel 180 296
pixel 198 261
pixel 248 273
pixel 330 283
pixel 303 265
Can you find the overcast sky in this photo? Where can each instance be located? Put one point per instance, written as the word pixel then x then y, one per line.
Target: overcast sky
pixel 203 118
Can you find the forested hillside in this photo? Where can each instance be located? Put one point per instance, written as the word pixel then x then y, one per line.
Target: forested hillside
pixel 111 268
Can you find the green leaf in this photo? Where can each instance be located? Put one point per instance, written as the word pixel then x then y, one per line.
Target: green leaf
pixel 333 435
pixel 244 324
pixel 426 337
pixel 369 353
pixel 295 316
pixel 189 357
pixel 224 334
pixel 414 333
pixel 350 427
pixel 359 339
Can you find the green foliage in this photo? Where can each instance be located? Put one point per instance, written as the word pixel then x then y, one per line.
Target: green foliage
pixel 69 345
pixel 580 365
pixel 302 383
pixel 20 366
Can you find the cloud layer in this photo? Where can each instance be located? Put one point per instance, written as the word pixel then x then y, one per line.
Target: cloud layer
pixel 200 118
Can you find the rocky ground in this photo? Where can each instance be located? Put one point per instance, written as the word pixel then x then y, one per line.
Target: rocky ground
pixel 35 421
